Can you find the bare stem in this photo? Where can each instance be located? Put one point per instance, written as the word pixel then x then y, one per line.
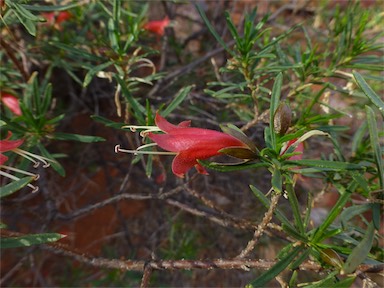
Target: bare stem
pixel 261 227
pixel 141 265
pixel 9 51
pixel 146 276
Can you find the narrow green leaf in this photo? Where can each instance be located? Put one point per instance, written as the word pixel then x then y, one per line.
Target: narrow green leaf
pixel 275 99
pixel 49 8
pixel 54 163
pixel 304 256
pixel 149 166
pixel 25 13
pixel 233 29
pixel 15 186
pixel 92 72
pixel 56 119
pixel 277 268
pixel 326 282
pixel 29 240
pixel 360 252
pixel 107 122
pixel 46 99
pixel 358 137
pixel 363 183
pixel 75 53
pixel 76 137
pixel 375 142
pixel 277 180
pixel 113 35
pixel 295 208
pixel 335 212
pixel 179 98
pixel 376 215
pixel 228 167
pixel 137 109
pixel 350 212
pixel 330 165
pixel 345 283
pixel 212 30
pixel 29 24
pixel 375 99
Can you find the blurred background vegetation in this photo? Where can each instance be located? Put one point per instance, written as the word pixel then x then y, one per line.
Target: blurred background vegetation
pixel 277 70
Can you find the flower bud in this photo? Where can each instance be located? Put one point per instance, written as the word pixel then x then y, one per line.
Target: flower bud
pixel 282 118
pixel 330 257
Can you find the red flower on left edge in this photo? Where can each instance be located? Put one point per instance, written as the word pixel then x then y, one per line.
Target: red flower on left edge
pixel 11 102
pixel 191 144
pixel 8 145
pixel 157 26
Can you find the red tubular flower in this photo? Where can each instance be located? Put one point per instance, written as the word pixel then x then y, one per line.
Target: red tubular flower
pixel 157 26
pixel 8 145
pixel 11 102
pixel 191 144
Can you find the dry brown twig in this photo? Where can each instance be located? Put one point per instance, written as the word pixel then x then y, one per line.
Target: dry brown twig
pixel 261 227
pixel 140 265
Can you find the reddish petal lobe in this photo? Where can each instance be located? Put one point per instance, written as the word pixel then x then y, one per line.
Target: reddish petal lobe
pixel 12 103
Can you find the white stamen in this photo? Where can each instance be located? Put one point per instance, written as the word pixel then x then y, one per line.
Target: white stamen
pixel 133 128
pixel 36 176
pixel 31 157
pixel 146 146
pixel 137 152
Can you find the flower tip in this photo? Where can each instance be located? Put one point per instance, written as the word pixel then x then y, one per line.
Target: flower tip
pixel 35 189
pixel 201 170
pixel 117 148
pixel 12 103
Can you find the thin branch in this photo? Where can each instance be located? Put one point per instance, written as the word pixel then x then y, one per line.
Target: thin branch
pixel 171 77
pixel 245 224
pixel 225 222
pixel 117 198
pixel 140 265
pixel 261 227
pixel 10 53
pixel 146 276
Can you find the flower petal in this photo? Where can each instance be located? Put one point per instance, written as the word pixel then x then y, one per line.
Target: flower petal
pixel 182 163
pixel 167 142
pixel 12 103
pixel 157 26
pixel 201 169
pixel 163 124
pixel 7 145
pixel 194 138
pixel 3 159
